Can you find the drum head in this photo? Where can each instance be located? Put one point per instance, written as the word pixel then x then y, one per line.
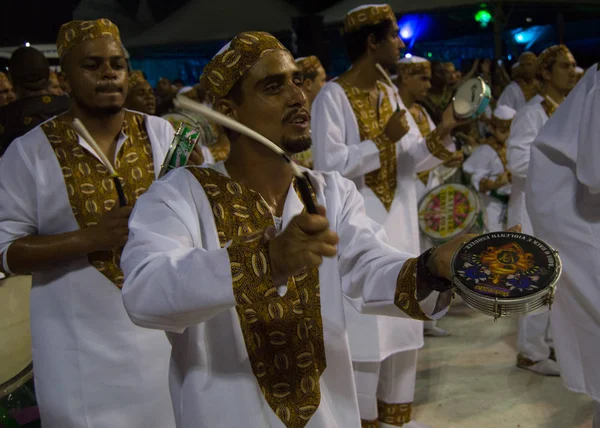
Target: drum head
pixel 506 265
pixel 468 97
pixel 448 211
pixel 15 334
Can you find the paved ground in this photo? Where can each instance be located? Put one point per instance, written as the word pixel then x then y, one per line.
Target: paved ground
pixel 469 380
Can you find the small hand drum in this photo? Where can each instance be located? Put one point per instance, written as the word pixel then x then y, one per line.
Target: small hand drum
pixel 471 99
pixel 181 148
pixel 448 211
pixel 505 273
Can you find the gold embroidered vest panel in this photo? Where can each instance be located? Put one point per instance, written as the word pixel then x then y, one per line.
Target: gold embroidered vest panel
pixel 371 126
pixel 91 189
pixel 283 334
pixel 420 117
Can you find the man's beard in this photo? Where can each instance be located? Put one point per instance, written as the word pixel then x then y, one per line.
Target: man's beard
pixel 296 145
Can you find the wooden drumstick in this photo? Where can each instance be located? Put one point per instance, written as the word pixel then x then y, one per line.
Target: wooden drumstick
pixel 303 182
pixel 81 130
pixel 389 81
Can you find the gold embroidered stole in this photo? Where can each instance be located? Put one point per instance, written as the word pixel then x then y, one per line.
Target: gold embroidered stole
pixel 90 188
pixel 371 126
pixel 548 107
pixel 529 90
pixel 283 334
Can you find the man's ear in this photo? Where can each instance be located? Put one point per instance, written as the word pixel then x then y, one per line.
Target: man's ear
pixel 546 75
pixel 307 86
pixel 371 42
pixel 227 107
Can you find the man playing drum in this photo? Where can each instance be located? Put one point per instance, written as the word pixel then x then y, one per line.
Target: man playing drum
pixel 556 66
pixel 60 220
pixel 361 130
pixel 251 287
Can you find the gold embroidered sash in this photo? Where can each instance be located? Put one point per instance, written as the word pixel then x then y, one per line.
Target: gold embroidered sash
pixel 90 188
pixel 549 108
pixel 371 126
pixel 420 117
pixel 283 334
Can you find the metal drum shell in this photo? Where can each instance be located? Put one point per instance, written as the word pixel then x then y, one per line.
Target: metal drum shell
pixel 479 107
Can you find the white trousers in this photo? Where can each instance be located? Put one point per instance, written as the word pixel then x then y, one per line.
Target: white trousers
pixel 534 338
pixel 392 381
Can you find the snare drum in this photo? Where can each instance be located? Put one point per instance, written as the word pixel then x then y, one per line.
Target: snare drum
pixel 15 350
pixel 448 211
pixel 180 149
pixel 471 99
pixel 506 273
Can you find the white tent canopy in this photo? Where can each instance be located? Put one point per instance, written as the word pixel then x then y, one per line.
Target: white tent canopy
pixel 201 20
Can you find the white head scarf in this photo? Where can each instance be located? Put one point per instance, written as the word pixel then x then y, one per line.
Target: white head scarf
pixel 503 112
pixel 574 129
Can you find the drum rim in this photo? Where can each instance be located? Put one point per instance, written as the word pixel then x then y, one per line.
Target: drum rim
pixel 539 296
pixel 468 226
pixel 482 95
pixel 17 381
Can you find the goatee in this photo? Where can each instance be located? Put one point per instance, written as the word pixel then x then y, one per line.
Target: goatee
pixel 296 145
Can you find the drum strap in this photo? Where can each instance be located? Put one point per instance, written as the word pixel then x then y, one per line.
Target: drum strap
pixel 89 186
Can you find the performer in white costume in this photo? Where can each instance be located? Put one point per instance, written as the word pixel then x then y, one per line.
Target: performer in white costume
pixel 563 196
pixel 251 287
pixel 357 134
pixel 557 69
pixel 488 171
pixel 524 86
pixel 60 219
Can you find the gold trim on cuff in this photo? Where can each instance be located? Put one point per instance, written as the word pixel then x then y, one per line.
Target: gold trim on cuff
pixel 394 414
pixel 436 146
pixel 406 291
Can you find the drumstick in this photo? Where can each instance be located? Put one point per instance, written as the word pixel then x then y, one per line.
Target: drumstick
pixel 302 179
pixel 389 81
pixel 81 130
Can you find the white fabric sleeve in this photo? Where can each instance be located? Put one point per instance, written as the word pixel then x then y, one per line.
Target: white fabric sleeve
pixel 171 281
pixel 477 166
pixel 507 98
pixel 368 266
pixel 18 210
pixel 523 131
pixel 333 149
pixel 588 144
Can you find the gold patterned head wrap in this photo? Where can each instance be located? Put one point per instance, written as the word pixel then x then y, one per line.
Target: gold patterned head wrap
pixel 309 64
pixel 234 60
pixel 76 32
pixel 413 65
pixel 371 14
pixel 4 78
pixel 135 78
pixel 549 56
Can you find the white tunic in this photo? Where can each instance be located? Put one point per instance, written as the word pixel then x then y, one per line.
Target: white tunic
pixel 93 366
pixel 484 162
pixel 513 97
pixel 337 147
pixel 178 278
pixel 563 199
pixel 525 127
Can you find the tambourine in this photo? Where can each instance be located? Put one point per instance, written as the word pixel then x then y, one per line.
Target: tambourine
pixel 450 210
pixel 471 99
pixel 506 273
pixel 181 148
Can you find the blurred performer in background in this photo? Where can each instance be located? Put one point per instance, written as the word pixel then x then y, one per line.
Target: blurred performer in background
pixel 140 95
pixel 7 92
pixel 30 73
pixel 525 86
pixel 358 130
pixel 60 219
pixel 556 66
pixel 488 171
pixel 54 86
pixel 443 81
pixel 563 196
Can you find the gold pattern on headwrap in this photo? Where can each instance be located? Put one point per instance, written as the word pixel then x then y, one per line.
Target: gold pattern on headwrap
pixel 370 15
pixel 309 65
pixel 371 125
pixel 89 186
pixel 550 55
pixel 283 334
pixel 135 78
pixel 76 32
pixel 412 68
pixel 227 67
pixel 4 77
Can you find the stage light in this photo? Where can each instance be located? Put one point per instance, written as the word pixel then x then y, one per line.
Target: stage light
pixel 483 17
pixel 429 55
pixel 27 44
pixel 409 56
pixel 406 33
pixel 510 57
pixel 520 38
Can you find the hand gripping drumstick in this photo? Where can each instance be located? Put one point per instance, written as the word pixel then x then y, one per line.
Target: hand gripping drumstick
pixel 302 180
pixel 389 81
pixel 81 130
